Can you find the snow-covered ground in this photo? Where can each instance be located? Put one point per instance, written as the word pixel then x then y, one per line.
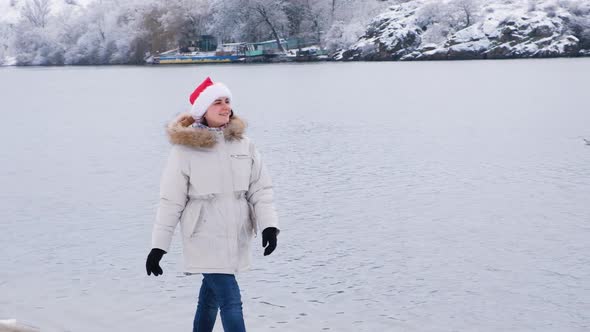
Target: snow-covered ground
pixel 431 196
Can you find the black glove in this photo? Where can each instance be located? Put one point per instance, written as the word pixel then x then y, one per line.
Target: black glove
pixel 269 236
pixel 152 264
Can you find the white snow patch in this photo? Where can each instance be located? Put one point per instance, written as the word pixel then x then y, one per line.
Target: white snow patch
pixel 478 45
pixel 11 325
pixel 8 61
pixel 471 33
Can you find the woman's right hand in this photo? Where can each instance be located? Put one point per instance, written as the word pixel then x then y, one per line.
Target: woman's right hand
pixel 152 264
pixel 269 240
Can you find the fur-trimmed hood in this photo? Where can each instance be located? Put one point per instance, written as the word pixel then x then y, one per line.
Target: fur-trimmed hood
pixel 181 132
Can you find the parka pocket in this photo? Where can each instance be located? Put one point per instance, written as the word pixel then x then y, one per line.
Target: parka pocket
pixel 252 218
pixel 193 218
pixel 199 222
pixel 241 169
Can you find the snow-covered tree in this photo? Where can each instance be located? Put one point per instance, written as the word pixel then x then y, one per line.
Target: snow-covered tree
pixel 107 33
pixel 466 10
pixel 179 20
pixel 37 46
pixel 350 20
pixel 36 36
pixel 439 19
pixel 357 11
pixel 37 12
pixel 251 20
pixel 341 35
pixel 430 13
pixel 5 37
pixel 579 21
pixel 308 19
pixel 229 20
pixel 434 19
pixel 272 15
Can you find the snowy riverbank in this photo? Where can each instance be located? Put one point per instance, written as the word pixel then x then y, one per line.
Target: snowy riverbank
pixel 81 33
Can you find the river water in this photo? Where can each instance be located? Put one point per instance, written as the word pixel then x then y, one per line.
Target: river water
pixel 413 196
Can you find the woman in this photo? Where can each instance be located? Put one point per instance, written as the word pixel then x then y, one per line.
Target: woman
pixel 217 188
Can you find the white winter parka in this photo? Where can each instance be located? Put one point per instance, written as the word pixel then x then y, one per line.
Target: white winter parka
pixel 215 185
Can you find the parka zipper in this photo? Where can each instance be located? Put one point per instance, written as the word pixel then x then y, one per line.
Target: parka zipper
pixel 223 153
pixel 240 156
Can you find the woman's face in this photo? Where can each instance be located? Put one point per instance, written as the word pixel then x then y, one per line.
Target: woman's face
pixel 218 113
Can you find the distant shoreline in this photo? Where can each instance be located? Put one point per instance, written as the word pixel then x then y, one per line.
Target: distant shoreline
pixel 450 59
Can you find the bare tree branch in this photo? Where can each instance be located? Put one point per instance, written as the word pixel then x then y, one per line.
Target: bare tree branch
pixel 37 12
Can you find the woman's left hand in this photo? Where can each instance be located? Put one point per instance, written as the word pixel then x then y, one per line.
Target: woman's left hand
pixel 269 237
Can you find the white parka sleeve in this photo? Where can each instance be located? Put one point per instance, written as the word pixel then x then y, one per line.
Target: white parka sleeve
pixel 173 197
pixel 260 194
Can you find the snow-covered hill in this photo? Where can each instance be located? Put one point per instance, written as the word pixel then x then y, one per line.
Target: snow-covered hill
pixel 469 29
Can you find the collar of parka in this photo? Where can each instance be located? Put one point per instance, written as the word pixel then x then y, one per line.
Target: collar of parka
pixel 181 132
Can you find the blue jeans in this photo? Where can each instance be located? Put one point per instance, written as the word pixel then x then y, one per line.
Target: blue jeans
pixel 219 291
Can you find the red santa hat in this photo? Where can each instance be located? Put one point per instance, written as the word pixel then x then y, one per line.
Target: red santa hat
pixel 205 94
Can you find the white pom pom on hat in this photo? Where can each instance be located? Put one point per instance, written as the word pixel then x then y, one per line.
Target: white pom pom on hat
pixel 205 94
